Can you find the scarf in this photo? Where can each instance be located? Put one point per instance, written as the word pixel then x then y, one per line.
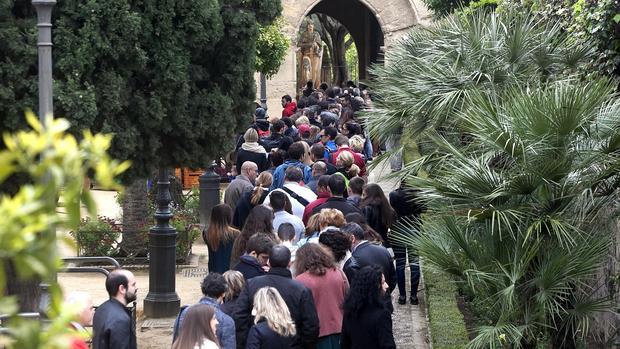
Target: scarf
pixel 253 147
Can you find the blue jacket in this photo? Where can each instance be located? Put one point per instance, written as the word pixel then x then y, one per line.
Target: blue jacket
pixel 278 174
pixel 330 148
pixel 225 330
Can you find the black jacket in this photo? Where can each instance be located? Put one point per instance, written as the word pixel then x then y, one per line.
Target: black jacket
pixel 244 206
pixel 263 337
pixel 260 159
pixel 249 267
pixel 298 298
pixel 408 209
pixel 367 253
pixel 229 306
pixel 373 218
pixel 371 328
pixel 271 142
pixel 341 204
pixel 112 327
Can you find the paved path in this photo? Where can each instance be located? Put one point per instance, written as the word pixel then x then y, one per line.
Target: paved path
pixel 409 322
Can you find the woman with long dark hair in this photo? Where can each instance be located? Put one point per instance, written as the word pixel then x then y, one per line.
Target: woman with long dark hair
pixel 316 269
pixel 260 220
pixel 376 208
pixel 198 329
pixel 367 321
pixel 220 237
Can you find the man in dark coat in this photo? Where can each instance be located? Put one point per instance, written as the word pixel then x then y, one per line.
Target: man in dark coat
pixel 112 323
pixel 365 253
pixel 337 186
pixel 297 297
pixel 253 262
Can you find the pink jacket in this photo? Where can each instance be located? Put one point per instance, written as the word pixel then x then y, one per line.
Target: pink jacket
pixel 328 292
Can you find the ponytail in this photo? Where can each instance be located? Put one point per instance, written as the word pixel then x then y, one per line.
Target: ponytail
pixel 256 195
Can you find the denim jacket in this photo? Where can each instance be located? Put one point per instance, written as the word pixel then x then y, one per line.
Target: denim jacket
pixel 278 174
pixel 225 330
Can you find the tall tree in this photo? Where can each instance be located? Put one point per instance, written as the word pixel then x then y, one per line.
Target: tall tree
pixel 334 33
pixel 172 80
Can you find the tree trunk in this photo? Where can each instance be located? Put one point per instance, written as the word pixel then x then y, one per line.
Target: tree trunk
pixel 135 219
pixel 28 292
pixel 334 33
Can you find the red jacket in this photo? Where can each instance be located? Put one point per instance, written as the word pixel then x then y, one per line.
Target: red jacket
pixel 323 196
pixel 357 159
pixel 289 110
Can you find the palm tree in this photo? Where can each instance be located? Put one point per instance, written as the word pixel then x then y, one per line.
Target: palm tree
pixel 520 172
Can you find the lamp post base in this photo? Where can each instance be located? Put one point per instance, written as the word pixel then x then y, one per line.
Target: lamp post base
pixel 162 305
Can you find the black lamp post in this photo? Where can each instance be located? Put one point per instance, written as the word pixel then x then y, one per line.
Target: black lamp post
pixel 209 194
pixel 44 48
pixel 263 91
pixel 162 299
pixel 46 107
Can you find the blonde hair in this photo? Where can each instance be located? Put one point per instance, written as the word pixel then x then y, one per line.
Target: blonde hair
pixel 313 225
pixel 302 120
pixel 346 159
pixel 314 130
pixel 356 143
pixel 235 281
pixel 269 305
pixel 331 216
pixel 250 136
pixel 263 181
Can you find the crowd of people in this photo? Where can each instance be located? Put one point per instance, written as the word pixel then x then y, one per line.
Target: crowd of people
pixel 301 253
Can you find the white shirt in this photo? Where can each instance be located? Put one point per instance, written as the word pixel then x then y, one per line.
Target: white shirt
pixel 285 217
pixel 304 192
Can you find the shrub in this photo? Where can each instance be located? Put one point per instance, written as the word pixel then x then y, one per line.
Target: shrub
pixel 447 326
pixel 96 237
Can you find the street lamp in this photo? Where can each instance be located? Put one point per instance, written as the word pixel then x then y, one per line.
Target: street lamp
pixel 162 299
pixel 44 48
pixel 46 106
pixel 209 194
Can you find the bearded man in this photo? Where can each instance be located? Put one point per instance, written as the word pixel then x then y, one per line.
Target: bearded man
pixel 112 323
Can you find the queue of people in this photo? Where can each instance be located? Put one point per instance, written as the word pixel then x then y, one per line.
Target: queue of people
pixel 300 252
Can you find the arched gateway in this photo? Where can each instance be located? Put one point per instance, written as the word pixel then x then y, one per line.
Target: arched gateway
pixel 374 25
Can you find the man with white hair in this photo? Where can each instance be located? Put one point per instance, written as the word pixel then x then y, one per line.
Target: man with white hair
pixel 244 182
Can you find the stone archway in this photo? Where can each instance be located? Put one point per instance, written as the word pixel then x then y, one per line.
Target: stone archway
pixel 394 19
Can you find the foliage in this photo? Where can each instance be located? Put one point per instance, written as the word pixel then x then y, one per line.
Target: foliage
pixel 519 166
pixel 271 47
pixel 446 323
pixel 352 59
pixel 27 233
pixel 96 237
pixel 439 66
pixel 441 8
pixel 172 80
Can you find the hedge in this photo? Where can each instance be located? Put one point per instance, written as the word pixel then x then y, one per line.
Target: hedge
pixel 446 323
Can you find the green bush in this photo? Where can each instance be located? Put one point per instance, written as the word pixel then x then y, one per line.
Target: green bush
pixel 96 237
pixel 446 323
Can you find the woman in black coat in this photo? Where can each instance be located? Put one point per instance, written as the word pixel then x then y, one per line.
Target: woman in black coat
pixel 376 208
pixel 252 151
pixel 273 326
pixel 251 199
pixel 367 322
